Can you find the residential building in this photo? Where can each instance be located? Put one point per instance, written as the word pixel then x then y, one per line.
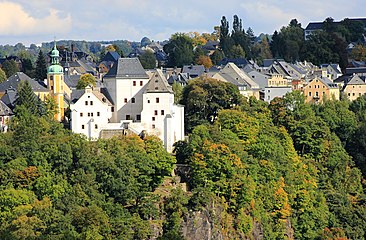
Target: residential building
pixel 356 87
pixel 5 115
pixel 133 101
pixel 12 83
pixel 90 112
pixel 318 26
pixel 321 88
pixel 246 85
pixel 277 87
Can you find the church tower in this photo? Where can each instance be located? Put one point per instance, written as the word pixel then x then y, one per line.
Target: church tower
pixel 56 84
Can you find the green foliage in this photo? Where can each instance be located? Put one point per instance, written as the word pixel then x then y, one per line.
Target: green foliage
pixel 2 76
pixel 41 67
pixel 10 68
pixel 288 43
pixel 148 60
pixel 86 80
pixel 203 98
pixel 179 50
pixel 28 99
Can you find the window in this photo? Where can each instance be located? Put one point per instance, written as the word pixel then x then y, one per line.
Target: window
pixel 353 94
pixel 133 100
pixel 138 117
pixel 316 94
pixel 156 112
pixel 153 126
pixel 51 87
pixel 51 77
pixel 88 114
pixel 86 103
pixel 81 114
pixel 309 94
pixel 153 118
pixel 157 100
pixel 125 100
pixel 91 103
pixel 112 109
pixel 91 114
pixel 96 126
pixel 134 83
pixel 141 83
pixel 128 117
pixel 349 94
pixel 82 126
pixel 162 112
pixel 98 114
pixel 309 86
pixel 148 101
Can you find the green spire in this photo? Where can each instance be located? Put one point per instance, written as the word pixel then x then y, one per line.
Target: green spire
pixel 55 64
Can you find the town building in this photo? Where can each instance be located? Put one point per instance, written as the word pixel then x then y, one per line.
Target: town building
pixel 321 88
pixel 356 87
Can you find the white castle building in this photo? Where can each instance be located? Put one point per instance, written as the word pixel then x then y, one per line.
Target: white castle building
pixel 131 99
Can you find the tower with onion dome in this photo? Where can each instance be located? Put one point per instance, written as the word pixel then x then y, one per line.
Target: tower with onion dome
pixel 56 84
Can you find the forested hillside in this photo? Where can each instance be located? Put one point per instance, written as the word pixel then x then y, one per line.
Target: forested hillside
pixel 287 170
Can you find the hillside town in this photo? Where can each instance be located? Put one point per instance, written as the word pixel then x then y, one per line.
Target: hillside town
pixel 130 99
pixel 222 135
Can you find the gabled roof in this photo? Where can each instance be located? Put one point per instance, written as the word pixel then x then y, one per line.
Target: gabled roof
pixel 158 84
pixel 327 82
pixel 356 80
pixel 232 73
pixel 10 97
pixel 127 68
pixel 14 81
pixel 5 110
pixel 71 80
pixel 194 70
pixel 76 95
pixel 236 61
pixel 356 70
pixel 111 56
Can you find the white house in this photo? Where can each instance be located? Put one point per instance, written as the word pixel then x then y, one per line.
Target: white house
pixel 160 116
pixel 125 82
pixel 90 112
pixel 130 100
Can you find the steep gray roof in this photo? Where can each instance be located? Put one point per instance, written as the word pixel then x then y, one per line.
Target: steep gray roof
pixel 5 110
pixel 14 81
pixel 10 97
pixel 158 84
pixel 72 80
pixel 127 68
pixel 194 70
pixel 356 80
pixel 76 95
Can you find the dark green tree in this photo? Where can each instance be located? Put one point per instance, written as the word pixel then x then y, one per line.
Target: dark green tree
pixel 10 67
pixel 41 67
pixel 205 97
pixel 179 50
pixel 28 99
pixel 86 80
pixel 148 59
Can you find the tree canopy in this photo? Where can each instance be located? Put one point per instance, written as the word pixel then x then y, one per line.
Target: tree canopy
pixel 86 80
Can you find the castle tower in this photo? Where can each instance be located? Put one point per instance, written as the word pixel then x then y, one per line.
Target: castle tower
pixel 55 83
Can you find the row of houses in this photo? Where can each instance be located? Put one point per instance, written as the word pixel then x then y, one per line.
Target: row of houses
pixel 129 99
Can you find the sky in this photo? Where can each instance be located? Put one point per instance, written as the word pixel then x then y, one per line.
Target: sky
pixel 37 21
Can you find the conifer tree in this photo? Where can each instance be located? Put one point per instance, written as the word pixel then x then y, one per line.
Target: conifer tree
pixel 41 67
pixel 28 99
